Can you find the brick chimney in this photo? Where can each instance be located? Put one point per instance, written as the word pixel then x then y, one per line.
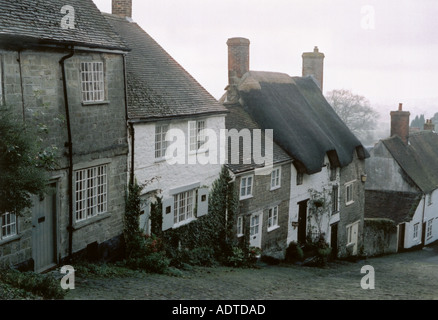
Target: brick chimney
pixel 238 59
pixel 400 123
pixel 313 65
pixel 122 8
pixel 429 125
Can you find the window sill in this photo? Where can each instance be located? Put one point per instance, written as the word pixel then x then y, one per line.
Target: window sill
pixel 240 235
pixel 246 197
pixel 92 103
pixel 85 223
pixel 349 203
pixel 273 228
pixel 10 239
pixel 275 188
pixel 182 223
pixel 160 160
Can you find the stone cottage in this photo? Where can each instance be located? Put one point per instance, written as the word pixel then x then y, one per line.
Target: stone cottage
pixel 327 170
pixel 402 182
pixel 62 66
pixel 165 103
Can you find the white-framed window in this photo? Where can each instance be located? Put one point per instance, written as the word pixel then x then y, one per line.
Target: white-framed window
pixel 349 190
pixel 197 134
pixel 335 199
pixel 254 226
pixel 276 178
pixel 92 80
pixel 8 223
pixel 183 206
pixel 246 185
pixel 429 199
pixel 273 218
pixel 160 140
pixel 240 226
pixel 429 228
pixel 91 192
pixel 300 178
pixel 415 233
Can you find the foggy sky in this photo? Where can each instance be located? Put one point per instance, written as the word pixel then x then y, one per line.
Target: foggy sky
pixel 390 56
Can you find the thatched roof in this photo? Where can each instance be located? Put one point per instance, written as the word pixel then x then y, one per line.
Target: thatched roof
pixel 304 124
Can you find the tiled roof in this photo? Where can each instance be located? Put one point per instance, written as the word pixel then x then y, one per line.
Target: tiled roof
pixel 239 119
pixel 39 21
pixel 304 124
pixel 397 206
pixel 418 159
pixel 158 87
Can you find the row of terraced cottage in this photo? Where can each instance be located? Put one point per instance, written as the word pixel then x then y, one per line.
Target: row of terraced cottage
pixel 121 93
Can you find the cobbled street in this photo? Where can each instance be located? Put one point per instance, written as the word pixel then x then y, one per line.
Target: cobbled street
pixel 410 275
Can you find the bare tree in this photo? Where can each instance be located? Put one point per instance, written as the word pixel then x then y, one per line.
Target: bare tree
pixel 355 111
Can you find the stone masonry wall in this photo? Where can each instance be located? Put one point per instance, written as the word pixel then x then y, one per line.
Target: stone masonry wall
pixel 274 242
pixel 99 136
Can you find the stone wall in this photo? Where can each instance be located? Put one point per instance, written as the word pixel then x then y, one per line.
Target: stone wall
pixel 274 242
pixel 33 89
pixel 353 212
pixel 380 237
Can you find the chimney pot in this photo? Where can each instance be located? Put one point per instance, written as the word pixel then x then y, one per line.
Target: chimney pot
pixel 429 125
pixel 400 106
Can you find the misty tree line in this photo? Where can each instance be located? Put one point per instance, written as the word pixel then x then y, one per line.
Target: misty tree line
pixel 419 121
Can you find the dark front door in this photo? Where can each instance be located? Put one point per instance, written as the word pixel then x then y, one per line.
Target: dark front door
pixel 334 239
pixel 401 236
pixel 302 221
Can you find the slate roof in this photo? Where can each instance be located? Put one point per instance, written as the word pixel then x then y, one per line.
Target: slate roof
pixel 397 206
pixel 26 22
pixel 158 87
pixel 418 159
pixel 239 119
pixel 304 124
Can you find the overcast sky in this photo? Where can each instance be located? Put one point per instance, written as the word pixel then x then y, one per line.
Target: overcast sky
pixel 385 50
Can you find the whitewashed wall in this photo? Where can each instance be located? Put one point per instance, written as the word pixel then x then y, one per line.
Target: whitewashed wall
pixel 409 240
pixel 318 181
pixel 431 212
pixel 168 176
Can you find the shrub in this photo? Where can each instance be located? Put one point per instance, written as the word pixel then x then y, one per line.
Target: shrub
pixel 45 286
pixel 156 262
pixel 294 253
pixel 240 257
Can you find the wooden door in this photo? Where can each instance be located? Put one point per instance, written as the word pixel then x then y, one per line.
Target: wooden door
pixel 334 239
pixel 44 231
pixel 255 230
pixel 302 221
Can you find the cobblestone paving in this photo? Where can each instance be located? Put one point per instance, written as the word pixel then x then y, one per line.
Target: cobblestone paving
pixel 410 275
